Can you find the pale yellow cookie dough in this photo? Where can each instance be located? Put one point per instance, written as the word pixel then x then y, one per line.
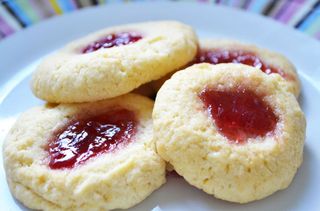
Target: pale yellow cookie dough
pixel 69 76
pixel 118 179
pixel 268 57
pixel 188 139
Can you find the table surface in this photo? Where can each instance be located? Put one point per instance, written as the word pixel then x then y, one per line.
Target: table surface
pixel 304 15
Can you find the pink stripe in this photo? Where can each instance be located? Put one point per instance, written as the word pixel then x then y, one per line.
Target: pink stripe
pixel 42 8
pixel 5 28
pixel 35 6
pixel 290 11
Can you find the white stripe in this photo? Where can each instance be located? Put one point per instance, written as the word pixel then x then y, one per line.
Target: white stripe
pixel 11 20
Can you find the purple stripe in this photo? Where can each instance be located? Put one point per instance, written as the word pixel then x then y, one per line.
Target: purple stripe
pixel 5 28
pixel 237 3
pixel 246 4
pixel 317 35
pixel 250 5
pixel 74 4
pixel 290 11
pixel 281 10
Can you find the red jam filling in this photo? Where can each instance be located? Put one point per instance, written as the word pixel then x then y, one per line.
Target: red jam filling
pixel 239 114
pixel 82 139
pixel 225 56
pixel 112 40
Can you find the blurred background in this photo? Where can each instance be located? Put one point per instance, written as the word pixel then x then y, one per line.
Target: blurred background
pixel 304 15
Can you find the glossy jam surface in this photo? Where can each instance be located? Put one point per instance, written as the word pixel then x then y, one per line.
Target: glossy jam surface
pixel 239 114
pixel 226 56
pixel 112 40
pixel 82 139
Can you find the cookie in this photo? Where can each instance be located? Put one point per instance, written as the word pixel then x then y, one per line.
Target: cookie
pixel 229 51
pixel 114 61
pixel 230 130
pixel 90 156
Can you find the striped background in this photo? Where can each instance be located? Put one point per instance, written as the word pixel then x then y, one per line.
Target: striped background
pixel 303 15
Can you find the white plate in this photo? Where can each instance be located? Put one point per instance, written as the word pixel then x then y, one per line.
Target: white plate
pixel 21 52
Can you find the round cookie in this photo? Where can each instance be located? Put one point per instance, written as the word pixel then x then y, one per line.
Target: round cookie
pixel 114 61
pixel 230 130
pixel 225 51
pixel 52 164
pixel 221 51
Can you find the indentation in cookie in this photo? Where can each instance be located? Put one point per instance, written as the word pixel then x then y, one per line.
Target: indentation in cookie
pixel 236 56
pixel 239 114
pixel 113 40
pixel 83 138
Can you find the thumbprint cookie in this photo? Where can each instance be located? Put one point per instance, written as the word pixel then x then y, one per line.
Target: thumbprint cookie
pixel 89 156
pixel 114 61
pixel 229 51
pixel 230 130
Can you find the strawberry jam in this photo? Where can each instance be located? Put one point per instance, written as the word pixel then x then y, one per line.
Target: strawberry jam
pixel 226 56
pixel 83 138
pixel 112 40
pixel 239 114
